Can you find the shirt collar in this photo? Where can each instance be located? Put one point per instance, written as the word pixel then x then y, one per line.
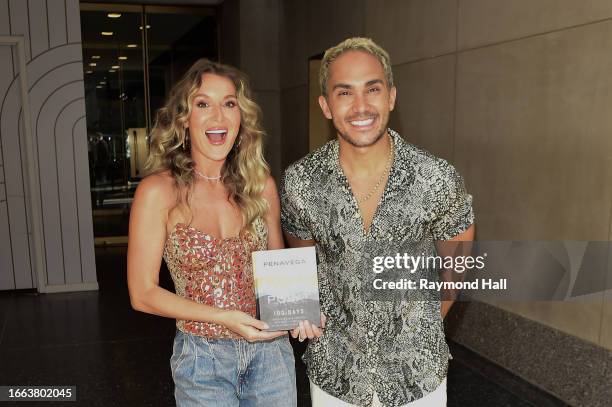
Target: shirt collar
pixel 333 163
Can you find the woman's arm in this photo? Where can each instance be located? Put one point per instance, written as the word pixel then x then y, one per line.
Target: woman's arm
pixel 152 202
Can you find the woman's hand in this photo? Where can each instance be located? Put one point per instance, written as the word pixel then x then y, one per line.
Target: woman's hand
pixel 308 330
pixel 246 326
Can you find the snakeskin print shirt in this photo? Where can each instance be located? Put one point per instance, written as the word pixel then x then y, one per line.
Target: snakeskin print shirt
pixel 394 348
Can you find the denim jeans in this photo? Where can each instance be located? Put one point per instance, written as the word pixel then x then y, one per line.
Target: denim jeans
pixel 232 372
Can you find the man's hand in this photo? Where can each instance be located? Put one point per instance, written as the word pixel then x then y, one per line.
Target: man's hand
pixel 308 330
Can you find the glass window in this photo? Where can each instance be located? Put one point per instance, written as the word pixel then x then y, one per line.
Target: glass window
pixel 132 55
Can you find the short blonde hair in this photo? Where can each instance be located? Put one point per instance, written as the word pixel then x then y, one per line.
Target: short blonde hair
pixel 354 44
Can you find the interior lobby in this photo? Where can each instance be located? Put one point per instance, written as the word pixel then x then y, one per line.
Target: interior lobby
pixel 515 94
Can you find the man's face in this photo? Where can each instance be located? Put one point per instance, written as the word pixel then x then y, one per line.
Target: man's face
pixel 358 98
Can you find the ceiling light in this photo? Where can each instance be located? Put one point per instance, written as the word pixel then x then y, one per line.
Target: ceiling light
pixel 102 83
pixel 115 67
pixel 113 15
pixel 107 33
pixel 112 71
pixel 88 71
pixel 132 45
pixel 148 26
pixel 92 64
pixel 122 58
pixel 95 57
pixel 99 87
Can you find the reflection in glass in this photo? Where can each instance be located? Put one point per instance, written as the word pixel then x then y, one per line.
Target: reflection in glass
pixel 177 37
pixel 130 61
pixel 115 102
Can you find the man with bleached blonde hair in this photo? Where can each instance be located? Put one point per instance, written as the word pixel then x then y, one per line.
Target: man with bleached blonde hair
pixel 370 187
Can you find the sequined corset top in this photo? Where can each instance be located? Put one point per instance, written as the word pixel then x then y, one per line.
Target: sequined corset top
pixel 215 272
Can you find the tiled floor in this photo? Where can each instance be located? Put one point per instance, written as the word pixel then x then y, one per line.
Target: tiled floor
pixel 118 357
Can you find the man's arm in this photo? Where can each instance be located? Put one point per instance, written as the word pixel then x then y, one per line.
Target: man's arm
pixel 305 328
pixel 447 248
pixel 297 233
pixel 293 241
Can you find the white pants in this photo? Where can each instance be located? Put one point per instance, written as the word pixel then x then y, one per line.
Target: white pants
pixel 436 398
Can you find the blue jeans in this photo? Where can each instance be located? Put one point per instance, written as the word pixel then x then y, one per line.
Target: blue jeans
pixel 232 372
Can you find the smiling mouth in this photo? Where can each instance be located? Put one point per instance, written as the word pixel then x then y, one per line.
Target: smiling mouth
pixel 216 136
pixel 362 123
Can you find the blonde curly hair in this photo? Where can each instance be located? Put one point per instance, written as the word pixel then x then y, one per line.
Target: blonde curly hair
pixel 245 170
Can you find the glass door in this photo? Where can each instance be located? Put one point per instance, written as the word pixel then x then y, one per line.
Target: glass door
pixel 132 54
pixel 176 37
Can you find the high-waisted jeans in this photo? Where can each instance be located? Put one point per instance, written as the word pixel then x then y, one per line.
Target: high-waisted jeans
pixel 233 372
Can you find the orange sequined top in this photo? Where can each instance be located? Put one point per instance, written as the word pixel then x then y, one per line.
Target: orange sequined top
pixel 215 272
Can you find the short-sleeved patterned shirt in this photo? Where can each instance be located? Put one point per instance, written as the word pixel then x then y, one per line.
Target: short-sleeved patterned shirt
pixel 396 349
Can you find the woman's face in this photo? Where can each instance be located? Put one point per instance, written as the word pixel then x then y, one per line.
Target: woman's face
pixel 215 118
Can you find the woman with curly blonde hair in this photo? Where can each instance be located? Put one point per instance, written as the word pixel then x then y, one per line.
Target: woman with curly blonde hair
pixel 209 202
